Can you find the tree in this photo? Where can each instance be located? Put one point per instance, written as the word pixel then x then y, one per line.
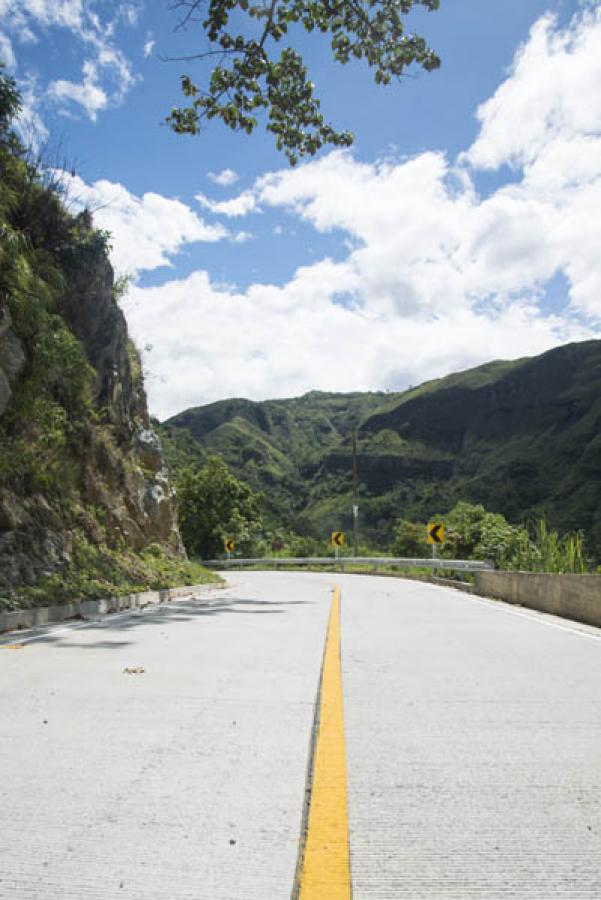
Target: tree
pixel 212 505
pixel 410 540
pixel 250 77
pixel 475 533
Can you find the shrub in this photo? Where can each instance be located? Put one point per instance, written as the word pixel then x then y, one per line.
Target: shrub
pixel 472 532
pixel 212 505
pixel 410 540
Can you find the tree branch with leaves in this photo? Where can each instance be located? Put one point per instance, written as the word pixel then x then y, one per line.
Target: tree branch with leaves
pixel 252 76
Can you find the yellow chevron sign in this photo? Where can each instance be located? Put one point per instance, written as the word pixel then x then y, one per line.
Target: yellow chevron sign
pixel 435 533
pixel 338 538
pixel 229 545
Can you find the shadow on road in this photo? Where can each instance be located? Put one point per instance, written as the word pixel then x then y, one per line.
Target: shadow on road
pixel 91 645
pixel 169 614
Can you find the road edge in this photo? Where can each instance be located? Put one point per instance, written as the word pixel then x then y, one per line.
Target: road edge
pixel 36 617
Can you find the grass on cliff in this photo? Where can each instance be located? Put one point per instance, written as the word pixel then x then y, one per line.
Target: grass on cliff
pixel 98 572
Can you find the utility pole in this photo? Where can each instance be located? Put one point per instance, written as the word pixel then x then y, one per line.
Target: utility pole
pixel 355 504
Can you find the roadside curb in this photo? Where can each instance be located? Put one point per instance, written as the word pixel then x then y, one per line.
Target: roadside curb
pixel 20 619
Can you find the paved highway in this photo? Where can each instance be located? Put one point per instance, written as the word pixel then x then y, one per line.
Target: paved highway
pixel 468 764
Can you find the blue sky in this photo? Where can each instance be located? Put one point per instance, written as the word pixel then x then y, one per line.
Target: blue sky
pixel 462 226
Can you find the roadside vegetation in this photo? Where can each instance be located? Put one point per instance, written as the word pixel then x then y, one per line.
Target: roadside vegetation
pixel 214 505
pixel 97 572
pixel 472 532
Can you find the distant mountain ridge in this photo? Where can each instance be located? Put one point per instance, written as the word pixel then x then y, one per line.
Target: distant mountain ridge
pixel 521 437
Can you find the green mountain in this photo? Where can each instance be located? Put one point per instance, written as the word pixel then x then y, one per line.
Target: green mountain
pixel 521 437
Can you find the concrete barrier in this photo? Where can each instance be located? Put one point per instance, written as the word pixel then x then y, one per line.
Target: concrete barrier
pixel 91 609
pixel 576 597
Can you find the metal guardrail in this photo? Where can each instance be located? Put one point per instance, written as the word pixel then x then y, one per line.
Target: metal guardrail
pixel 459 565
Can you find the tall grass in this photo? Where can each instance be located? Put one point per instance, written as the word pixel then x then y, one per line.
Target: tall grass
pixel 549 551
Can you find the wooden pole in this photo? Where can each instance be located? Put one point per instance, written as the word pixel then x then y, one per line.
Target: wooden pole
pixel 355 504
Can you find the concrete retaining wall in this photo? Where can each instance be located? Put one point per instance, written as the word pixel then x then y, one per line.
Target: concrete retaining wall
pixel 575 597
pixel 91 609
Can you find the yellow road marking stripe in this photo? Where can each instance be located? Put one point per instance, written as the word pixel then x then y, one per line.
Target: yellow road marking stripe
pixel 325 872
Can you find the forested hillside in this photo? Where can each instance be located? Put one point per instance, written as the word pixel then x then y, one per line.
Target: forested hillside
pixel 523 438
pixel 275 445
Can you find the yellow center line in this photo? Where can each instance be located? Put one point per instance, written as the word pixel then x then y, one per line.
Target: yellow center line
pixel 324 871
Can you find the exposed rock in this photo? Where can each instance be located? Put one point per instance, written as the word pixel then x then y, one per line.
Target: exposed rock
pixel 143 511
pixel 90 527
pixel 33 541
pixel 159 508
pixel 5 392
pixel 12 359
pixel 123 497
pixel 149 450
pixel 12 514
pixel 96 319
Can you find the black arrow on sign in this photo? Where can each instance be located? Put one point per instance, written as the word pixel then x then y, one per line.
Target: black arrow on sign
pixel 435 533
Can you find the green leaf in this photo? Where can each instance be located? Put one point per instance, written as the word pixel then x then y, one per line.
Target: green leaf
pixel 248 77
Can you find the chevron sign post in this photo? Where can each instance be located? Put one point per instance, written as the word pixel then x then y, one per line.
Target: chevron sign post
pixel 338 540
pixel 435 537
pixel 229 546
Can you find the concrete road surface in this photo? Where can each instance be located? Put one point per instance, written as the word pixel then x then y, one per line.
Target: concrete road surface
pixel 472 746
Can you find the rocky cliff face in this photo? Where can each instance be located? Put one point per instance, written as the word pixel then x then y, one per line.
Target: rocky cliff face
pixel 12 357
pixel 109 483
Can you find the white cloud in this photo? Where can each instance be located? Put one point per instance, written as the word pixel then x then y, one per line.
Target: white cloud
pixel 241 205
pixel 65 13
pixel 241 237
pixel 224 178
pixel 277 342
pixel 107 73
pixel 436 277
pixel 30 124
pixel 147 231
pixel 23 16
pixel 130 12
pixel 87 94
pixel 7 54
pixel 149 46
pixel 111 65
pixel 546 120
pixel 551 95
